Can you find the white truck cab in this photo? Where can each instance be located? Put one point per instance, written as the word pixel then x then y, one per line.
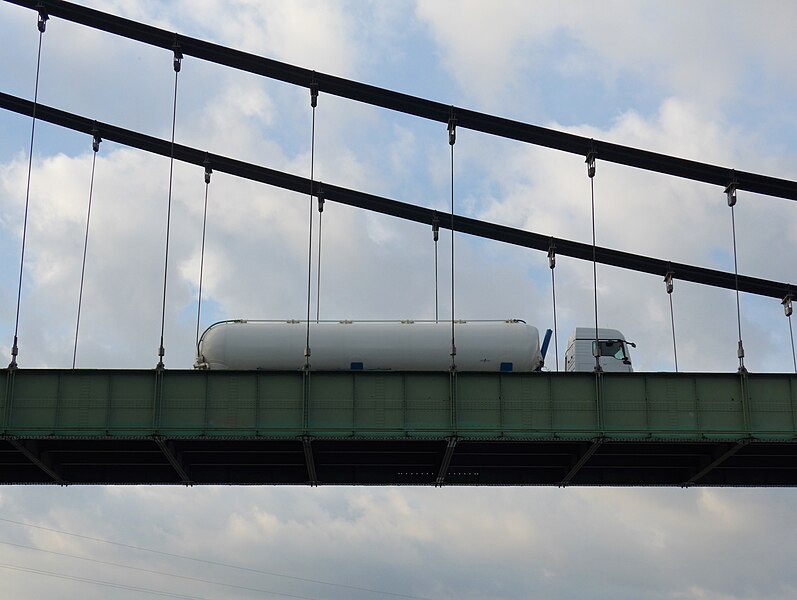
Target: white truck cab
pixel 612 349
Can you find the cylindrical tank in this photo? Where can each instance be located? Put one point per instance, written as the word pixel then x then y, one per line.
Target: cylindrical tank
pixel 510 345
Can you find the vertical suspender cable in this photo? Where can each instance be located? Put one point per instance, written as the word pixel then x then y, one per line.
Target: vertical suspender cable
pixel 318 266
pixel 452 138
pixel 42 26
pixel 178 56
pixel 552 266
pixel 95 146
pixel 208 172
pixel 313 104
pixel 787 309
pixel 730 192
pixel 436 237
pixel 669 283
pixel 596 351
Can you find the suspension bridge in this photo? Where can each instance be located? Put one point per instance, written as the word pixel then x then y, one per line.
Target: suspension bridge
pixel 163 426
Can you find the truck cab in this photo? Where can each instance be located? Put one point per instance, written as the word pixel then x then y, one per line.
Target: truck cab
pixel 612 349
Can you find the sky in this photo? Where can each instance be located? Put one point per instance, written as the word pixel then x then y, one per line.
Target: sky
pixel 709 81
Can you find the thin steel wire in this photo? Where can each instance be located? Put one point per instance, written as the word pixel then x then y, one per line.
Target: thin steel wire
pixel 161 351
pixel 555 328
pixel 318 271
pixel 672 322
pixel 310 241
pixel 793 355
pixel 453 344
pixel 738 305
pixel 595 274
pixel 15 347
pixel 202 262
pixel 85 251
pixel 436 296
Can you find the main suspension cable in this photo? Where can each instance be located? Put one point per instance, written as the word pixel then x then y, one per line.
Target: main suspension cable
pixel 95 146
pixel 178 57
pixel 208 172
pixel 313 104
pixel 41 24
pixel 596 351
pixel 452 138
pixel 730 192
pixel 552 266
pixel 669 286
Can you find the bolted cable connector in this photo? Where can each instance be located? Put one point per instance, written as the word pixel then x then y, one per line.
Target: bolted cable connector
pixel 787 309
pixel 208 169
pixel 552 256
pixel 668 281
pixel 591 156
pixel 41 24
pixel 96 139
pixel 313 92
pixel 435 227
pixel 14 354
pixel 321 198
pixel 730 192
pixel 452 128
pixel 178 54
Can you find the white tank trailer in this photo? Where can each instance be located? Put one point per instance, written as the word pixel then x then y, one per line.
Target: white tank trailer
pixel 497 346
pixel 509 345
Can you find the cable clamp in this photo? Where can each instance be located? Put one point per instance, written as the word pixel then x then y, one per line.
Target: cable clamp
pixel 313 92
pixel 43 17
pixel 14 354
pixel 552 255
pixel 208 169
pixel 668 281
pixel 452 128
pixel 591 156
pixel 96 139
pixel 178 54
pixel 730 191
pixel 321 198
pixel 787 309
pixel 435 227
pixel 740 350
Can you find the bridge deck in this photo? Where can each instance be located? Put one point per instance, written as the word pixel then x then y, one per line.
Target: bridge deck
pixel 373 428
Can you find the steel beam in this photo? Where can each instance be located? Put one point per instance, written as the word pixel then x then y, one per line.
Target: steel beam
pixel 446 462
pixel 715 463
pixel 413 105
pixel 30 449
pixel 585 456
pixel 402 210
pixel 309 459
pixel 167 448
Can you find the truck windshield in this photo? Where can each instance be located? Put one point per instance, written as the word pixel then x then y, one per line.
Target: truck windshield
pixel 614 348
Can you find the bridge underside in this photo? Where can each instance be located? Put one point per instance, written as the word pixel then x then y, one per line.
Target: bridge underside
pixel 188 427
